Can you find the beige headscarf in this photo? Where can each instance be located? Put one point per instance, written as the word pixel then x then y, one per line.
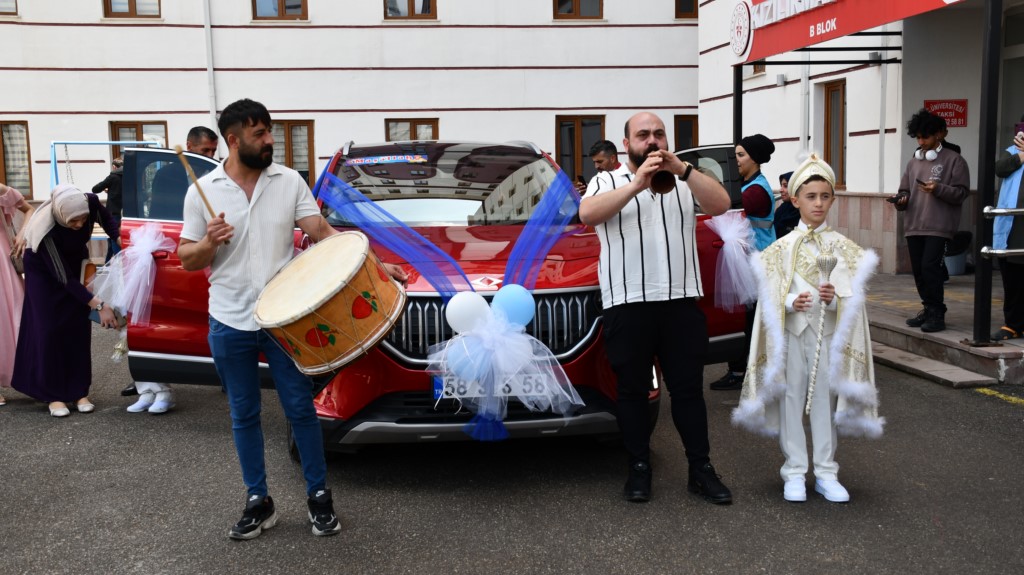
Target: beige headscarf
pixel 65 204
pixel 812 166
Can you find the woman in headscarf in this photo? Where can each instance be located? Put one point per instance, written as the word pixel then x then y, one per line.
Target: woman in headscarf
pixel 12 287
pixel 53 361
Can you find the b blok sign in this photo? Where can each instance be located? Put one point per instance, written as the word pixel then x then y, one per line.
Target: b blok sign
pixel 762 28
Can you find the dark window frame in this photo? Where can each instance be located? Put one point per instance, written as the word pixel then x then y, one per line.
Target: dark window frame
pixel 281 12
pixel 108 10
pixel 580 155
pixel 116 151
pixel 694 132
pixel 28 156
pixel 687 14
pixel 411 6
pixel 288 160
pixel 414 123
pixel 575 14
pixel 835 158
pixel 13 12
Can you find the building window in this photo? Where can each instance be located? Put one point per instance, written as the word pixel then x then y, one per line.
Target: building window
pixel 8 6
pixel 14 159
pixel 835 129
pixel 138 132
pixel 574 138
pixel 686 132
pixel 279 10
pixel 578 8
pixel 686 8
pixel 409 9
pixel 758 68
pixel 405 129
pixel 293 146
pixel 131 8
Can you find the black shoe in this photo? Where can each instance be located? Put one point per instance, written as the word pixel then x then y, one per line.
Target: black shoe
pixel 919 319
pixel 728 382
pixel 129 391
pixel 321 513
pixel 936 321
pixel 638 485
pixel 707 483
pixel 259 515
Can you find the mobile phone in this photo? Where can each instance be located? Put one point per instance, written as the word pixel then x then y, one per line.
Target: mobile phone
pixel 920 182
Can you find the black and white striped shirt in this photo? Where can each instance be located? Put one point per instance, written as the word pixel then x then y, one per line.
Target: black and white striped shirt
pixel 649 249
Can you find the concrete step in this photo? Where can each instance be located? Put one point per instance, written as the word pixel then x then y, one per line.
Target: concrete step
pixel 945 374
pixel 950 349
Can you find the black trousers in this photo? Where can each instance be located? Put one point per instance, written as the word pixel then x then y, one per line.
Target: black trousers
pixel 1013 295
pixel 675 333
pixel 926 253
pixel 739 364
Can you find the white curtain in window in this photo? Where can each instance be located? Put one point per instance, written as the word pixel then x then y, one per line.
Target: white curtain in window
pixel 266 8
pixel 8 6
pixel 277 130
pixel 15 146
pixel 300 148
pixel 147 7
pixel 155 133
pixel 425 132
pixel 119 6
pixel 398 131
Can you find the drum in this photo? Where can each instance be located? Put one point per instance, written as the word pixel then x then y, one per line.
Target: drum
pixel 330 304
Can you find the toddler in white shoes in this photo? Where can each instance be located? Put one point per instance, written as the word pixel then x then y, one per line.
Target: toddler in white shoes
pixel 154 397
pixel 810 350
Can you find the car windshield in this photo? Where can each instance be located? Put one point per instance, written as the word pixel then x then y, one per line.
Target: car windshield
pixel 439 183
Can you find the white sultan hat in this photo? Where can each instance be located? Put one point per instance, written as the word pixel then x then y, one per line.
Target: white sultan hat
pixel 812 166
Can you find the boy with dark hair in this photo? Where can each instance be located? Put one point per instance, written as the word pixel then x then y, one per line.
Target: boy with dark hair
pixel 811 326
pixel 934 185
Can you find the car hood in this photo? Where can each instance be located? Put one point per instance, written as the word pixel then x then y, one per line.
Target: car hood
pixel 483 251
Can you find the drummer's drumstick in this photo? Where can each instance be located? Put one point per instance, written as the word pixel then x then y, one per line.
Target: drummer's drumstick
pixel 195 182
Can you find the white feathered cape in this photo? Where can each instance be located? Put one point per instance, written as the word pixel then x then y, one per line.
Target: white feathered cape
pixel 851 374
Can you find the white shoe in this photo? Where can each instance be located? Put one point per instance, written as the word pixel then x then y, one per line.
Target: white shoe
pixel 795 489
pixel 832 490
pixel 86 407
pixel 163 403
pixel 142 404
pixel 61 411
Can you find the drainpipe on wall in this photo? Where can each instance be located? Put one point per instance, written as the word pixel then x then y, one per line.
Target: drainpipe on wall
pixel 211 86
pixel 805 109
pixel 881 112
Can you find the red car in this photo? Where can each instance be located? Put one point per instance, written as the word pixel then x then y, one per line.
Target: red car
pixel 472 201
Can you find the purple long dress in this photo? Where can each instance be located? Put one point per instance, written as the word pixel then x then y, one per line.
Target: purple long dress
pixel 54 357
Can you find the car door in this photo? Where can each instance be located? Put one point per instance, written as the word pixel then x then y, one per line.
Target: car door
pixel 154 189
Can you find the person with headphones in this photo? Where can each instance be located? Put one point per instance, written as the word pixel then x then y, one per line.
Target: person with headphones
pixel 934 186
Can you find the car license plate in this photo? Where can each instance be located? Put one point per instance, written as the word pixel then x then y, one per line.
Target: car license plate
pixel 450 387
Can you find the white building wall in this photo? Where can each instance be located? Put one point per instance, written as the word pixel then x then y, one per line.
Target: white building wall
pixel 489 71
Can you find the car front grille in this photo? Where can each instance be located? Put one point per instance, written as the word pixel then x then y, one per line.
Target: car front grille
pixel 564 321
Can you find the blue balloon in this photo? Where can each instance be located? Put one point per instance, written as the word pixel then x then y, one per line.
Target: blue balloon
pixel 516 303
pixel 467 359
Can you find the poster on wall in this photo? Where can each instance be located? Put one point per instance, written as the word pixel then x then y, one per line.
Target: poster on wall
pixel 762 28
pixel 953 111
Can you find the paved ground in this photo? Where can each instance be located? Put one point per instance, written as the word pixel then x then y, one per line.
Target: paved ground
pixel 113 492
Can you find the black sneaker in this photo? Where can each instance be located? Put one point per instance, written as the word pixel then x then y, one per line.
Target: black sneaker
pixel 259 515
pixel 728 382
pixel 321 513
pixel 919 319
pixel 638 484
pixel 129 391
pixel 936 322
pixel 705 482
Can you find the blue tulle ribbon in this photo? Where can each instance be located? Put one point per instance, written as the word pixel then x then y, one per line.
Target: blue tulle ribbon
pixel 484 427
pixel 437 267
pixel 546 225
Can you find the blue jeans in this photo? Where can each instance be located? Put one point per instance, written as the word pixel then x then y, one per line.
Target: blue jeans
pixel 236 356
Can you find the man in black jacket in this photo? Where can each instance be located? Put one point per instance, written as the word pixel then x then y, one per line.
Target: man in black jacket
pixel 112 185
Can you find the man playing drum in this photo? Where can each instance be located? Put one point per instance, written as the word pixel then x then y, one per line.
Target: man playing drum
pixel 259 204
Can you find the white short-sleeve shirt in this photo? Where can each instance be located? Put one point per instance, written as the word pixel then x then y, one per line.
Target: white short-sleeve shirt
pixel 263 240
pixel 648 249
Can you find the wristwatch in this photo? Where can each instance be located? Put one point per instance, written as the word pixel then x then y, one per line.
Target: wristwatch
pixel 99 306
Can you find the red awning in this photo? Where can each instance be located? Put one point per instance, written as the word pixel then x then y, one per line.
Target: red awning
pixel 762 28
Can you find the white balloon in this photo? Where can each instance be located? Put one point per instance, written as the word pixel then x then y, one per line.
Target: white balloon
pixel 466 310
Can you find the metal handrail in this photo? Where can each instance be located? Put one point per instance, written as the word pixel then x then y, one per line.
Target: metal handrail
pixel 991 212
pixel 988 252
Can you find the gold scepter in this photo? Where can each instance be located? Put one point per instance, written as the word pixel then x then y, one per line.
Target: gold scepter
pixel 195 182
pixel 826 261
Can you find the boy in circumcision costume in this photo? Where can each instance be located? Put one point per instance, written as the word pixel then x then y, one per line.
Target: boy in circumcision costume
pixel 778 387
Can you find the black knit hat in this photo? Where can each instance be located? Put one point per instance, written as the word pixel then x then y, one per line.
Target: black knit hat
pixel 758 147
